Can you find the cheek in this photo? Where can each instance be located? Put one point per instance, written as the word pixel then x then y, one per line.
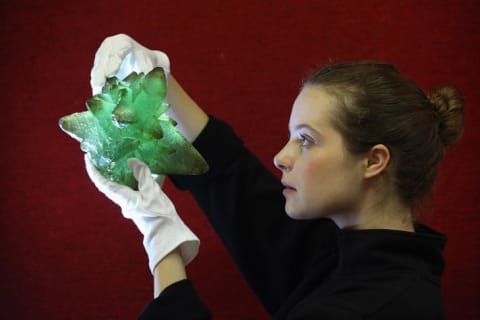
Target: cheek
pixel 317 170
pixel 314 175
pixel 328 176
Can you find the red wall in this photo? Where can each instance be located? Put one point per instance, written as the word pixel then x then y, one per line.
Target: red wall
pixel 65 250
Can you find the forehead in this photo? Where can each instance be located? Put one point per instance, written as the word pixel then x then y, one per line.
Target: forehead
pixel 313 106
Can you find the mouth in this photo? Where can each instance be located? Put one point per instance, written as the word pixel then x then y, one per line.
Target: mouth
pixel 288 189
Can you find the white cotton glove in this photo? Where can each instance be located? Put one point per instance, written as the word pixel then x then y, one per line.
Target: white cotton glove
pixel 152 211
pixel 119 55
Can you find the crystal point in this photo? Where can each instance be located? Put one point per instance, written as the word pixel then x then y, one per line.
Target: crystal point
pixel 128 120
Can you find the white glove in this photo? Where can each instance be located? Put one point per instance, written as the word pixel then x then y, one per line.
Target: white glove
pixel 152 211
pixel 119 55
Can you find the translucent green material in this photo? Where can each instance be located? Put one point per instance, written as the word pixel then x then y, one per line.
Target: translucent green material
pixel 128 120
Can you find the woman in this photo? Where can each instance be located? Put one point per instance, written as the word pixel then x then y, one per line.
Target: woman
pixel 365 143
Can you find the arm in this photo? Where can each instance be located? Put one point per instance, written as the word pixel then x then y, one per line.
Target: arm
pixel 175 296
pixel 178 301
pixel 168 271
pixel 190 117
pixel 169 244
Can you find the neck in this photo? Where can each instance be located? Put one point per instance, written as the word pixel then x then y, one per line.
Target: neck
pixel 388 213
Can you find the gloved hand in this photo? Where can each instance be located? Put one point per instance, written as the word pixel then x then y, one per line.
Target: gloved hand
pixel 119 55
pixel 152 211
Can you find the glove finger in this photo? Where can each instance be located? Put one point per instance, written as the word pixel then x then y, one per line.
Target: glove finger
pixel 163 61
pixel 137 165
pixel 98 180
pixel 144 61
pixel 120 194
pixel 149 59
pixel 142 174
pixel 127 66
pixel 153 201
pixel 108 59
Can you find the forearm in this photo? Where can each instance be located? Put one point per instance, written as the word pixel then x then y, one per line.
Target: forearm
pixel 185 111
pixel 168 271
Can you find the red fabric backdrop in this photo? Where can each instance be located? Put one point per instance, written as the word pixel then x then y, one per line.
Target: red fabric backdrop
pixel 65 250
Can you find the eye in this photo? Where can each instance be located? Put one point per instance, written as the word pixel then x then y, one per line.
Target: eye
pixel 305 140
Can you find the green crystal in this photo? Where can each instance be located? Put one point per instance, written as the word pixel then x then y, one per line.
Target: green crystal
pixel 128 120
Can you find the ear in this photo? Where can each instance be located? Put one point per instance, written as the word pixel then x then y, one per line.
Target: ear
pixel 377 160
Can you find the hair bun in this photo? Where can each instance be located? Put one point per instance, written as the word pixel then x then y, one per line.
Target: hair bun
pixel 449 104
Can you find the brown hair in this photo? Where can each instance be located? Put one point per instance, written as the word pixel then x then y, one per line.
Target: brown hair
pixel 378 105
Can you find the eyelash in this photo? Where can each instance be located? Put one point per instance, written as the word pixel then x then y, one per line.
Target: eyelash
pixel 305 141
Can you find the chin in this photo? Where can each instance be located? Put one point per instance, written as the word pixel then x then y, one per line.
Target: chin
pixel 299 215
pixel 302 213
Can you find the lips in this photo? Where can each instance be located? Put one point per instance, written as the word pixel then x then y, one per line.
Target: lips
pixel 288 189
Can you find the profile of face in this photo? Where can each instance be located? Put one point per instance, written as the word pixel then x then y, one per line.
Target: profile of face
pixel 321 177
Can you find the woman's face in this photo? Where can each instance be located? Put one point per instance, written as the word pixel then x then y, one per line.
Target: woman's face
pixel 321 178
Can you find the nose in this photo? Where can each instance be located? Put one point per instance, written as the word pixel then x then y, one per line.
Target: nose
pixel 282 160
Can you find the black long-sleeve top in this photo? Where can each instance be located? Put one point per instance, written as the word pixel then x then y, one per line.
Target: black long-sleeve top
pixel 302 269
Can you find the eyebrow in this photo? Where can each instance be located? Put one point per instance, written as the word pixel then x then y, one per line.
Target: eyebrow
pixel 306 126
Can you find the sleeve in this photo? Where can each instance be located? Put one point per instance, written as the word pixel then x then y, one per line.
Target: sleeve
pixel 179 301
pixel 244 203
pixel 326 313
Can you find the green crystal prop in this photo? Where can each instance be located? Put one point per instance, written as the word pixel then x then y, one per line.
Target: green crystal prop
pixel 128 120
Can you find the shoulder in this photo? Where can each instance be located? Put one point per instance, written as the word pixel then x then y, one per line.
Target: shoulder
pixel 380 295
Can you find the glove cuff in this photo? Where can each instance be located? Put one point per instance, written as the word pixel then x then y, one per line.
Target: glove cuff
pixel 160 245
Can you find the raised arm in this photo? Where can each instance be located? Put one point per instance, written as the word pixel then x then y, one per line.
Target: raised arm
pixel 190 117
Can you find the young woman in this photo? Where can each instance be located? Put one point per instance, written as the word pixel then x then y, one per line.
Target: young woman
pixel 365 143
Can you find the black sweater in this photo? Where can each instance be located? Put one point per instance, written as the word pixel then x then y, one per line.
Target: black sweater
pixel 302 269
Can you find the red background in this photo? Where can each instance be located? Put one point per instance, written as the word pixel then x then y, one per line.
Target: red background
pixel 65 250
